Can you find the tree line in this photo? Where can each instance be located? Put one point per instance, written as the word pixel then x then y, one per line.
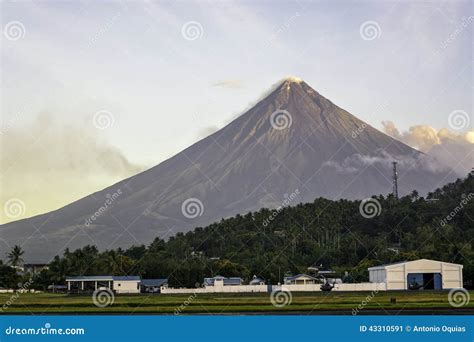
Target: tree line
pixel 322 234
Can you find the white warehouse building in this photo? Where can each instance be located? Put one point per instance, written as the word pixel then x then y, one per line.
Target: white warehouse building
pixel 418 274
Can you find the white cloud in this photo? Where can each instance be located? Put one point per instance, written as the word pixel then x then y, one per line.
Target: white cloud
pixel 455 150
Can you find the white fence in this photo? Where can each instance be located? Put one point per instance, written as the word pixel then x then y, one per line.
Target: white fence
pixel 19 291
pixel 218 289
pixel 266 288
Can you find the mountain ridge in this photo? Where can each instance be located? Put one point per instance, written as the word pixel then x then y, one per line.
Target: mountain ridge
pixel 292 138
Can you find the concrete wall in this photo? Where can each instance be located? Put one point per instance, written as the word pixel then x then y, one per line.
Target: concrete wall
pixel 218 289
pixel 285 287
pixel 361 287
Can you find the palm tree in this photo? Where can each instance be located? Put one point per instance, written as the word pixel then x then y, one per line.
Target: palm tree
pixel 414 195
pixel 14 257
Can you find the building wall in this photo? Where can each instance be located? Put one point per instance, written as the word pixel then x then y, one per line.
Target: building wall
pixel 126 286
pixel 396 278
pixel 378 276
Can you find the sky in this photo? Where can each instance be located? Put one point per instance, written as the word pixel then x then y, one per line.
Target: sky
pixel 95 91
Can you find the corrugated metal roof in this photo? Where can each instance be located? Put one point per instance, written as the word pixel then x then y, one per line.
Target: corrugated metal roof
pixel 90 278
pixel 226 281
pixel 103 278
pixel 299 276
pixel 126 278
pixel 154 282
pixel 379 267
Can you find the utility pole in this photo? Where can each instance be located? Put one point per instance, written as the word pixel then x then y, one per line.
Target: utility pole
pixel 395 180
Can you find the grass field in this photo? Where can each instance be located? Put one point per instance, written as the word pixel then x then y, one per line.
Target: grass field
pixel 305 303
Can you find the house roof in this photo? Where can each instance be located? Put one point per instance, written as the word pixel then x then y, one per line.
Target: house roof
pixel 256 281
pixel 380 267
pixel 154 282
pixel 103 278
pixel 126 278
pixel 298 276
pixel 90 278
pixel 226 281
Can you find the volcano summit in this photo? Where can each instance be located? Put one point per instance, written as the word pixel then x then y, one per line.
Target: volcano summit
pixel 292 139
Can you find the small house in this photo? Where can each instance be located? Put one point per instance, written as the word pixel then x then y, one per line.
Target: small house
pixel 222 281
pixel 153 285
pixel 301 279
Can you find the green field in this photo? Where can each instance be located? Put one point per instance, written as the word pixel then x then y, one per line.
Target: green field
pixel 425 302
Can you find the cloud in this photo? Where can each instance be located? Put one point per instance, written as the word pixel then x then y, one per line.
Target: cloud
pixel 455 150
pixel 231 84
pixel 49 164
pixel 206 131
pixel 357 162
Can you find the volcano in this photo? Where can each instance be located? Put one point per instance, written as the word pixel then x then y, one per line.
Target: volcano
pixel 293 146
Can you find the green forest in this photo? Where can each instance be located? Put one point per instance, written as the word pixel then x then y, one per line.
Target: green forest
pixel 328 234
